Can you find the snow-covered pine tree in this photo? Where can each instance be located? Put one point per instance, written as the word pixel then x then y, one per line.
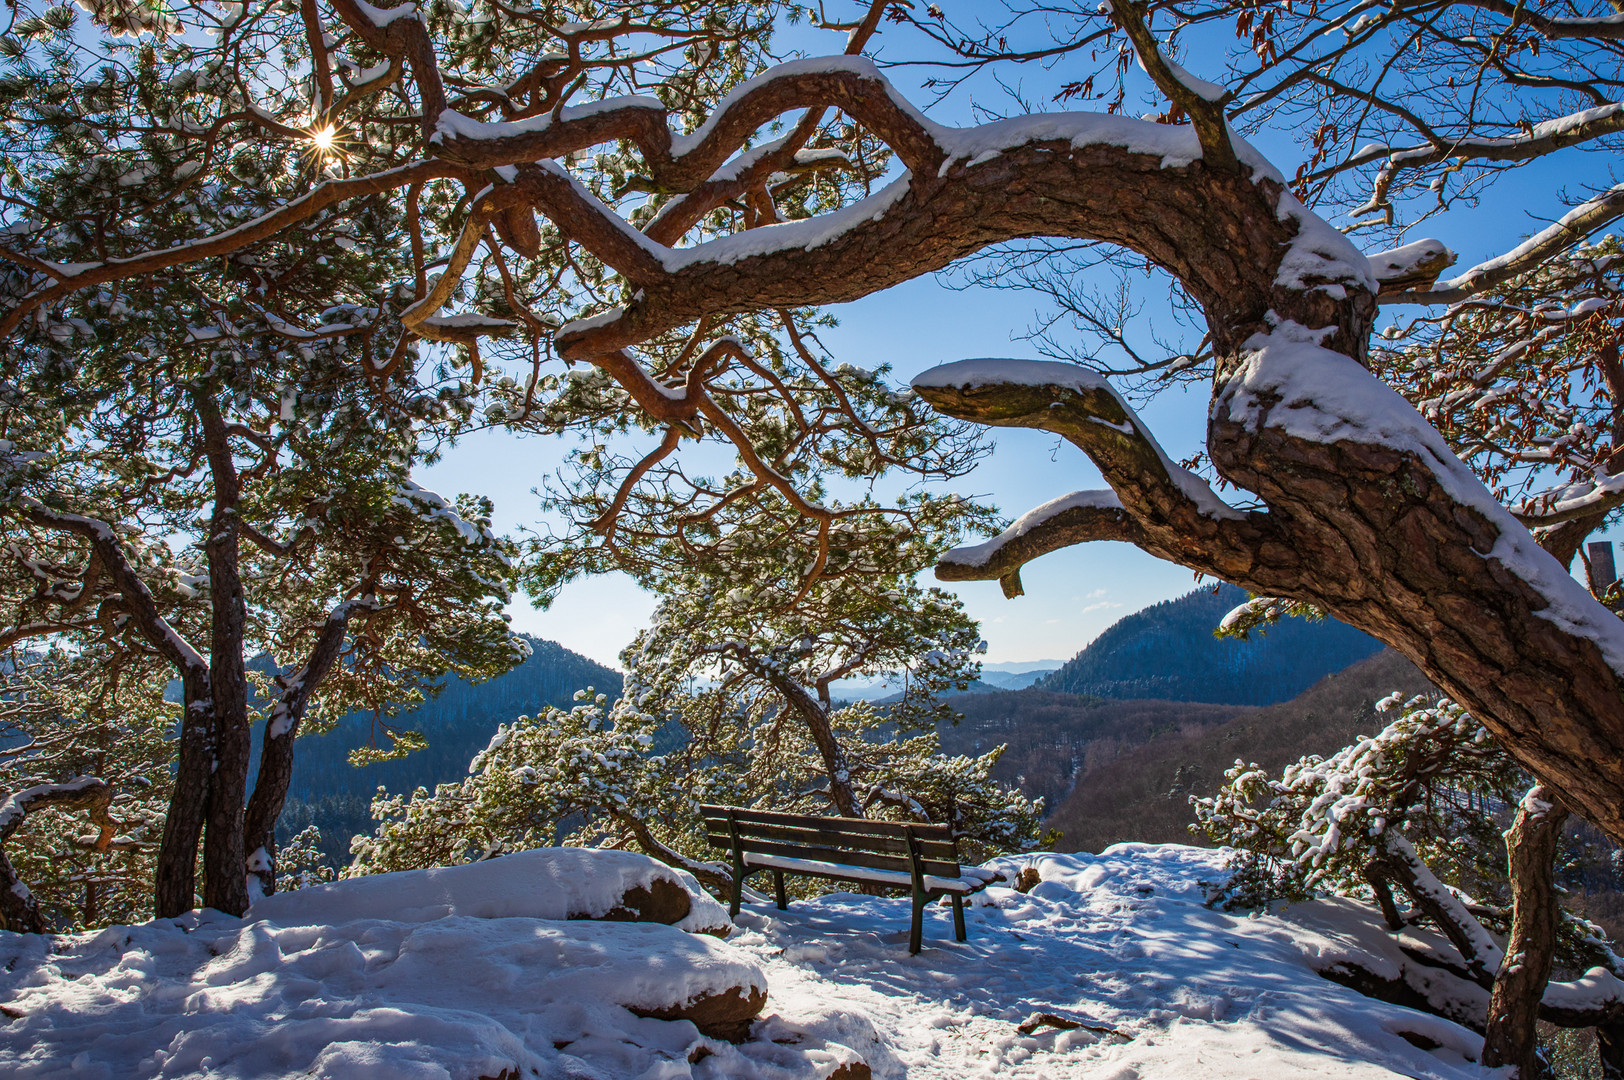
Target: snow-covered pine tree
pixel 85 759
pixel 731 697
pixel 1525 382
pixel 1419 819
pixel 212 464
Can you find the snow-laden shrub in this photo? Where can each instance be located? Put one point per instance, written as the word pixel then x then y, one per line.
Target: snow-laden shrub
pixel 1418 808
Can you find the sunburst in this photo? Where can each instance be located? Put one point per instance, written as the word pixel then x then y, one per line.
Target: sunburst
pixel 324 142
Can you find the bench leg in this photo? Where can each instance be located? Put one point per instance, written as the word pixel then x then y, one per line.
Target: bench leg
pixel 738 892
pixel 917 931
pixel 958 919
pixel 778 887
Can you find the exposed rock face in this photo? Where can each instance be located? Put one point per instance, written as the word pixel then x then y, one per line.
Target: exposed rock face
pixel 725 1015
pixel 662 900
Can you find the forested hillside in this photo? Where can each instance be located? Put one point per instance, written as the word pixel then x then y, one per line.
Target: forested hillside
pixel 1168 651
pixel 333 794
pixel 1128 792
pixel 1054 737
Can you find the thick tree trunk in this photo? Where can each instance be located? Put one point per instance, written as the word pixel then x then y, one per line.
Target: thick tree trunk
pixel 836 766
pixel 224 884
pixel 1520 984
pixel 175 878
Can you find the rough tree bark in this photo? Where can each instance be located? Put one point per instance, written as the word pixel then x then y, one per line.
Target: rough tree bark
pixel 1520 983
pixel 207 806
pixel 815 715
pixel 224 884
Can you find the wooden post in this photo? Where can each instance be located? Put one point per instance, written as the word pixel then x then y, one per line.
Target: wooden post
pixel 916 871
pixel 738 866
pixel 778 887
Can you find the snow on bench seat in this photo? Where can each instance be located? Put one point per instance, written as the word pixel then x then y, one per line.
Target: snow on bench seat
pixel 970 879
pixel 920 857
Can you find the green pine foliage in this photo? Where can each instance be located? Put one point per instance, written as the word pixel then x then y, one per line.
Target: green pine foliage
pixel 334 795
pixel 1432 793
pixel 68 715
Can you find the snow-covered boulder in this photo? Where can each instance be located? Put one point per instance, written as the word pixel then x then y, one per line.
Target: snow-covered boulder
pixel 545 883
pixel 449 998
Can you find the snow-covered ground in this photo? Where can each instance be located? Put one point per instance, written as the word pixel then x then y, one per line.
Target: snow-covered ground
pixel 1119 941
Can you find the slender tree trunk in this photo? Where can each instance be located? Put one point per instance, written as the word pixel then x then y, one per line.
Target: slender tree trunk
pixel 835 763
pixel 1610 1048
pixel 276 751
pixel 1400 866
pixel 224 885
pixel 1520 983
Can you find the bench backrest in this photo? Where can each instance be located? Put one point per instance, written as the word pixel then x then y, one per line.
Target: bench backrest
pixel 875 845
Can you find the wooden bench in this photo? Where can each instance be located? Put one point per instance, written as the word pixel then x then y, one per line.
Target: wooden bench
pixel 921 858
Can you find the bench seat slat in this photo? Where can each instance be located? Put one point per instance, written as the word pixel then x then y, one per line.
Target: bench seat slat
pixel 843 872
pixel 943 851
pixel 837 856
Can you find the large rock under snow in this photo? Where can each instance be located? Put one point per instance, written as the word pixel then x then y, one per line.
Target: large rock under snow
pixel 545 883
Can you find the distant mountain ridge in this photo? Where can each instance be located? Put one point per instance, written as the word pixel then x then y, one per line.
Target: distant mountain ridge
pixel 1168 651
pixel 1123 791
pixel 328 791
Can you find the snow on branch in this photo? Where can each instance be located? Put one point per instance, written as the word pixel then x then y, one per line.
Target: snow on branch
pixel 19 909
pixel 1539 139
pixel 1159 505
pixel 137 597
pixel 1568 502
pixel 1413 266
pixel 1293 386
pixel 681 162
pixel 1601 27
pixel 1570 229
pixel 1202 101
pixel 327 193
pixel 1077 518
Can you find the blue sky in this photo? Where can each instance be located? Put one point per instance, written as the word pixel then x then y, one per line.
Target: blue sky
pixel 1072 595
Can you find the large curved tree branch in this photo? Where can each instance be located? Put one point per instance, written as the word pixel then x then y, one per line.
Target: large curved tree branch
pixel 328 193
pixel 148 620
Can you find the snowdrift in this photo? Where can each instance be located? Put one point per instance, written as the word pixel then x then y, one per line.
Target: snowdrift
pixel 473 972
pixel 546 883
